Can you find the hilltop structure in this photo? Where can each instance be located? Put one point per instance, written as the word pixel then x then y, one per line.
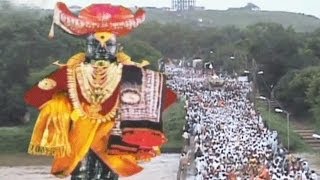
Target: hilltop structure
pixel 183 5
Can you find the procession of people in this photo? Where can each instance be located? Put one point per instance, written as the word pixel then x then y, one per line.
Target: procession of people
pixel 228 137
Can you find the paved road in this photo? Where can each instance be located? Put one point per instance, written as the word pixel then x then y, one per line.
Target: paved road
pixel 164 167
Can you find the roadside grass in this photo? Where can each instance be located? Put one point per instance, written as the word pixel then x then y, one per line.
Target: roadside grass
pixel 14 139
pixel 278 123
pixel 174 120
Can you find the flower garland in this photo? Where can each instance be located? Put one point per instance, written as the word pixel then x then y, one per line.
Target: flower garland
pixel 97 83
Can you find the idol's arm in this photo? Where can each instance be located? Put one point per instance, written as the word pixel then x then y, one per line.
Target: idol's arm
pixel 44 90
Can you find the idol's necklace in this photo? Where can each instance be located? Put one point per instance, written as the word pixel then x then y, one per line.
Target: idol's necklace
pixel 97 83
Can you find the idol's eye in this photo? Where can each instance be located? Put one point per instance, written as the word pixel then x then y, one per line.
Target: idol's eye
pixel 93 42
pixel 110 44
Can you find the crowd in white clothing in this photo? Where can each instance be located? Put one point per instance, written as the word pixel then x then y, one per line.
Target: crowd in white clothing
pixel 230 139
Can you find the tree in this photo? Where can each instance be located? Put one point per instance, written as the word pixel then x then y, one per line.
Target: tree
pixel 251 6
pixel 25 49
pixel 139 50
pixel 313 96
pixel 298 89
pixel 275 49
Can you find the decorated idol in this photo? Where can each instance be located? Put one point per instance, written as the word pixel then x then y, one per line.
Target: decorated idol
pixel 100 112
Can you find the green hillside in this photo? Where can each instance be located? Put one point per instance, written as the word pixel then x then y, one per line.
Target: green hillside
pixel 238 18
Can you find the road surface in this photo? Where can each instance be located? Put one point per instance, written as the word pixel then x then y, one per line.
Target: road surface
pixel 164 167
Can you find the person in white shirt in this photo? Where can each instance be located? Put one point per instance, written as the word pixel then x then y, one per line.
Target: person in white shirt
pixel 199 176
pixel 313 175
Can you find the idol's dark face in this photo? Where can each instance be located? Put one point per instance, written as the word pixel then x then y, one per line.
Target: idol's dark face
pixel 101 46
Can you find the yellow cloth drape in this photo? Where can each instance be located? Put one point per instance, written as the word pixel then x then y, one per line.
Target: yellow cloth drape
pixel 85 134
pixel 81 136
pixel 50 134
pixel 55 134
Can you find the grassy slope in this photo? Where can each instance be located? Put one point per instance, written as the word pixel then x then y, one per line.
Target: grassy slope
pixel 14 139
pixel 238 18
pixel 279 123
pixel 174 120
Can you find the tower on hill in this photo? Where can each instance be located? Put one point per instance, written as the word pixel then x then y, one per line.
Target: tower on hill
pixel 183 5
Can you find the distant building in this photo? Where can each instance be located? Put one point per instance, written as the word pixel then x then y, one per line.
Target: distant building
pixel 183 5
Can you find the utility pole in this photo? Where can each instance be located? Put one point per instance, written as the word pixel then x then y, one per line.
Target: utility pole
pixel 288 125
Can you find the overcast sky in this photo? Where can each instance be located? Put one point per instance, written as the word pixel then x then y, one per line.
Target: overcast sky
pixel 311 7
